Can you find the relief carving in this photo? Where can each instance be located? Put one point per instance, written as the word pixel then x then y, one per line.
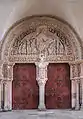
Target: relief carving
pixel 38 42
pixel 37 35
pixel 76 70
pixel 41 68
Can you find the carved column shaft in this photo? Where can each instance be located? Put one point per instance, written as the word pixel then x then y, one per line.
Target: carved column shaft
pixel 73 95
pixel 81 75
pixel 1 71
pixel 77 95
pixel 1 85
pixel 75 77
pixel 73 88
pixel 1 102
pixel 7 92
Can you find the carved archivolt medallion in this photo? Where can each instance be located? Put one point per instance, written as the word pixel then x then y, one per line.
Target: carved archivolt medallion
pixel 33 36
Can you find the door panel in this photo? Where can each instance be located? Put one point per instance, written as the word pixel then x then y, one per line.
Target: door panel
pixel 25 87
pixel 57 89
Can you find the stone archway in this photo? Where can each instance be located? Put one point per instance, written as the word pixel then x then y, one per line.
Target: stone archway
pixel 41 40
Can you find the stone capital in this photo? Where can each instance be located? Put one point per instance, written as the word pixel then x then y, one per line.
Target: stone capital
pixel 41 65
pixel 42 81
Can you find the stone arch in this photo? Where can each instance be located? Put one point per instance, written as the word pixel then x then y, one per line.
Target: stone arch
pixel 50 27
pixel 32 36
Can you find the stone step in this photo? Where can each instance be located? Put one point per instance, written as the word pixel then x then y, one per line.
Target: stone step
pixel 47 114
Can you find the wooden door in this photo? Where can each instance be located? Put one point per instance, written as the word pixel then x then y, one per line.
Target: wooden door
pixel 58 87
pixel 25 87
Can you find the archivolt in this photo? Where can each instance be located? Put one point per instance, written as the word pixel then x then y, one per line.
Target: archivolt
pixel 50 29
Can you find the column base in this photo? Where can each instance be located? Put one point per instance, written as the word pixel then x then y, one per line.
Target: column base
pixel 1 110
pixel 73 108
pixel 81 107
pixel 7 108
pixel 42 108
pixel 77 108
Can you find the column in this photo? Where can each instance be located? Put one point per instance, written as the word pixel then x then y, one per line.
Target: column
pixel 41 96
pixel 1 83
pixel 73 94
pixel 73 87
pixel 82 93
pixel 77 94
pixel 8 95
pixel 2 96
pixel 75 77
pixel 41 77
pixel 8 77
pixel 81 77
pixel 1 86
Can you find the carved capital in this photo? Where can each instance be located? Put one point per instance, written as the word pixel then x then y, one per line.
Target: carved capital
pixel 8 71
pixel 42 82
pixel 41 64
pixel 81 65
pixel 78 81
pixel 75 71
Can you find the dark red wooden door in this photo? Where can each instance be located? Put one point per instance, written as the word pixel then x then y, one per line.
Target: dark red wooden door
pixel 25 87
pixel 57 89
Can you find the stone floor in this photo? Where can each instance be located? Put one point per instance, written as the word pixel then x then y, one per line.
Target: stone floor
pixel 49 114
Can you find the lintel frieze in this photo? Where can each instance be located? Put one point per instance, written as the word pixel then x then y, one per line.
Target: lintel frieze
pixel 34 58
